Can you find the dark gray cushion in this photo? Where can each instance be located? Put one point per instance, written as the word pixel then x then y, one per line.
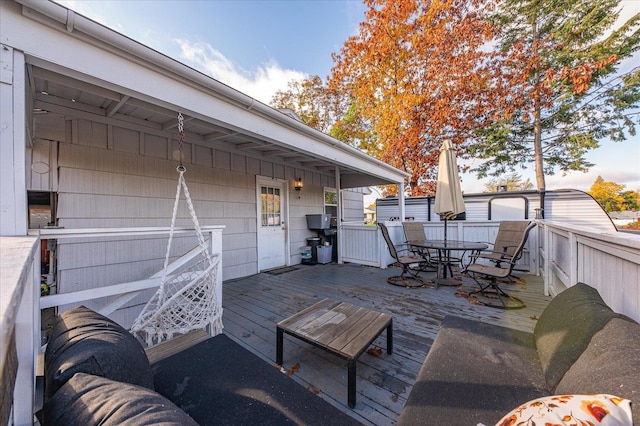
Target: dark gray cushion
pixel 474 372
pixel 566 327
pixel 218 382
pixel 92 400
pixel 610 364
pixel 85 341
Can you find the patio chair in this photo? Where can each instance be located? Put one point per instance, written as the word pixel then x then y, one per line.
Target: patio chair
pixel 499 264
pixel 414 231
pixel 406 259
pixel 507 241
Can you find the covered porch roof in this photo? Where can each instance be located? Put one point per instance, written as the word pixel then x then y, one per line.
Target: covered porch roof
pixel 81 69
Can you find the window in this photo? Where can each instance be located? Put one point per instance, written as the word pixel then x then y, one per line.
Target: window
pixel 331 202
pixel 271 211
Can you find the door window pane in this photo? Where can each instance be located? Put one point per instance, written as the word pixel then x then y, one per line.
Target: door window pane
pixel 270 201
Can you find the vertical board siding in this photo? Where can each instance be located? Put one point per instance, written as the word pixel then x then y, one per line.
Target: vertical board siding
pixel 609 262
pixel 353 206
pixel 360 245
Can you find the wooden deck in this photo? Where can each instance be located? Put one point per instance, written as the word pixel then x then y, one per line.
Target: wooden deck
pixel 253 306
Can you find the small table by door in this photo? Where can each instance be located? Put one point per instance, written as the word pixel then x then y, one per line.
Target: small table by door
pixel 339 328
pixel 445 248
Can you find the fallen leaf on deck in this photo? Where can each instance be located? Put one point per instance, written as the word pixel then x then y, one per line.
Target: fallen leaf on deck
pixel 293 369
pixel 533 317
pixel 474 301
pixel 375 351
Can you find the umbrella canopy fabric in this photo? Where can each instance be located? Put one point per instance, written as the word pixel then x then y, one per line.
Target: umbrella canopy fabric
pixel 449 201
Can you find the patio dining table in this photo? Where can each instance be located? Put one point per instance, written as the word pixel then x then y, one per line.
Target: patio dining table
pixel 444 249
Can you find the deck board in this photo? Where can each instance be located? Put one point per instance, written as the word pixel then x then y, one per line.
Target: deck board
pixel 253 305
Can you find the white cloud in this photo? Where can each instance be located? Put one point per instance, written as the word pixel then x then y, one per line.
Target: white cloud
pixel 260 84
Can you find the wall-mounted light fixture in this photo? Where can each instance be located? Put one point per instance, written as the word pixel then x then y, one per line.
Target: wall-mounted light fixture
pixel 298 185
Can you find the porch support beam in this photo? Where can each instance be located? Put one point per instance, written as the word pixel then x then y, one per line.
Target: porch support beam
pixel 401 201
pixel 13 180
pixel 339 212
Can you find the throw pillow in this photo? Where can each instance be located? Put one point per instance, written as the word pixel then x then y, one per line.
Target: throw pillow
pixel 558 410
pixel 85 341
pixel 93 400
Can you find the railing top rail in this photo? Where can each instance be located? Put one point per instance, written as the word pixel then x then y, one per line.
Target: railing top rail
pixel 114 232
pixel 621 238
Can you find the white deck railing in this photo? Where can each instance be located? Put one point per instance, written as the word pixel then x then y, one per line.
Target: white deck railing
pixel 107 294
pixel 608 262
pixel 365 245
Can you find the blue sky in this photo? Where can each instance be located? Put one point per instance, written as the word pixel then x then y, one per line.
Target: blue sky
pixel 258 46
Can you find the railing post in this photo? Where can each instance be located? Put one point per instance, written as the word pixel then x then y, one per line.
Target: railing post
pixel 573 259
pixel 216 247
pixel 27 335
pixel 546 267
pixel 381 249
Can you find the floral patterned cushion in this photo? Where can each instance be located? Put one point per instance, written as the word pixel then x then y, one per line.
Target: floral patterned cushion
pixel 603 410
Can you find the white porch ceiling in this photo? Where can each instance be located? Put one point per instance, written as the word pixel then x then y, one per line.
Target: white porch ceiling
pixel 54 92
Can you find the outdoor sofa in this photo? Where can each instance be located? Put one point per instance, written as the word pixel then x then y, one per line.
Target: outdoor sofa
pixel 476 373
pixel 96 372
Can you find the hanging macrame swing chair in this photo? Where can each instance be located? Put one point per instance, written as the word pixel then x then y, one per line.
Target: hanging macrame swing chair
pixel 187 298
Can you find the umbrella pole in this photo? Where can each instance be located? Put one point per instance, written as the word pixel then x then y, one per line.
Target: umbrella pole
pixel 447 253
pixel 445 230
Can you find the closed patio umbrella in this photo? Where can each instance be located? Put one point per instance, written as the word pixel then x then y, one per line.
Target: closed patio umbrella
pixel 449 201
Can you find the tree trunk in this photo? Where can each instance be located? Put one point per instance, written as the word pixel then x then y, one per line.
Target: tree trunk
pixel 537 123
pixel 537 147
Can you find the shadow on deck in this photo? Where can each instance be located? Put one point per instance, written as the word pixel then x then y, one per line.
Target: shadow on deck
pixel 253 305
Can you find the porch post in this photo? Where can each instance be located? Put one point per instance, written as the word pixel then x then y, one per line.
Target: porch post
pixel 13 183
pixel 339 215
pixel 401 201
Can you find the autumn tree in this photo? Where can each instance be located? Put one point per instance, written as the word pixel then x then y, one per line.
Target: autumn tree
pixel 631 200
pixel 417 73
pixel 512 181
pixel 608 194
pixel 310 100
pixel 560 62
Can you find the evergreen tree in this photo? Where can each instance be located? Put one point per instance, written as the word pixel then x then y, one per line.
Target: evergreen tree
pixel 561 85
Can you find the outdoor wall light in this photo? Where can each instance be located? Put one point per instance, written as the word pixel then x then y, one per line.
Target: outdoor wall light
pixel 298 185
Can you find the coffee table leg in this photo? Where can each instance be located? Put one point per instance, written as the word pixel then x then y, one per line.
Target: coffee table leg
pixel 279 342
pixel 351 383
pixel 390 338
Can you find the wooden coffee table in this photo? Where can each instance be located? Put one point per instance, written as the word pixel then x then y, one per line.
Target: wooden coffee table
pixel 339 328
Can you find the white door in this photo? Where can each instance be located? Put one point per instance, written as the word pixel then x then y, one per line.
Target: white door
pixel 272 233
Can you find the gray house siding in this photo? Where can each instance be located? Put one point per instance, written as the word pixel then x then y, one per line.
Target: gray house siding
pixel 115 175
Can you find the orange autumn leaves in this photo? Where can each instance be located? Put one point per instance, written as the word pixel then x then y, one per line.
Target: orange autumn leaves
pixel 418 73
